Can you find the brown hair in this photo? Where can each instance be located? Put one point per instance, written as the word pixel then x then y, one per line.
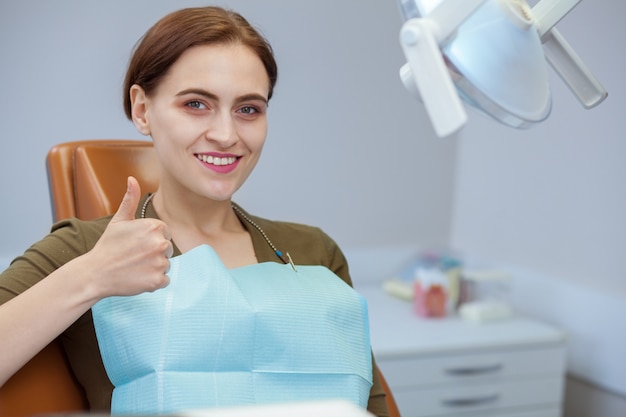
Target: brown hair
pixel 165 42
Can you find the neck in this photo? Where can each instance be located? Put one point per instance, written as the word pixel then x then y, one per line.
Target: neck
pixel 191 211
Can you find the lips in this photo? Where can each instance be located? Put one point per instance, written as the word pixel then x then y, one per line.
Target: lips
pixel 220 164
pixel 217 161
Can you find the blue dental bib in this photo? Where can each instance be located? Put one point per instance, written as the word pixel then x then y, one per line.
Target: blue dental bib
pixel 215 337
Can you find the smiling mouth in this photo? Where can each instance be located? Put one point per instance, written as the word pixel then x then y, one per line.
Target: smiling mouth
pixel 217 161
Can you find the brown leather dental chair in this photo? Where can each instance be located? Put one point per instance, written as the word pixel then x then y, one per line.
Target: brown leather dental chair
pixel 88 178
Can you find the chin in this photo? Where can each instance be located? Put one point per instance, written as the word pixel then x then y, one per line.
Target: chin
pixel 219 195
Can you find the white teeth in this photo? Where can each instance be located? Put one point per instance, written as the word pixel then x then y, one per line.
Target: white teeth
pixel 209 159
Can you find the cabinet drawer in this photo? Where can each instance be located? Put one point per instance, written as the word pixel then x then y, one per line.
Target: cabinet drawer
pixel 518 412
pixel 485 398
pixel 530 412
pixel 473 367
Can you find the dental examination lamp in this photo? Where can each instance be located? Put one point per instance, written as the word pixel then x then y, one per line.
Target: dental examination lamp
pixel 491 54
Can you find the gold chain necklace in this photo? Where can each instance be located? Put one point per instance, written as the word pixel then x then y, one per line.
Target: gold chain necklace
pixel 286 258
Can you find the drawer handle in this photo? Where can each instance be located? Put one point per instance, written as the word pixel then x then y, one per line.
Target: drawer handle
pixel 471 401
pixel 476 370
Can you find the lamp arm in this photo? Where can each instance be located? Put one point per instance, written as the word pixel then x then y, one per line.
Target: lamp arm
pixel 573 71
pixel 562 57
pixel 431 76
pixel 426 69
pixel 547 13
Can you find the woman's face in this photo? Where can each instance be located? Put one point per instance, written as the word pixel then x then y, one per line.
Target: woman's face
pixel 207 118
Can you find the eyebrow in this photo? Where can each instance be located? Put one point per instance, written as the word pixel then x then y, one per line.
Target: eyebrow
pixel 211 96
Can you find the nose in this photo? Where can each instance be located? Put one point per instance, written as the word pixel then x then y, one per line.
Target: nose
pixel 222 130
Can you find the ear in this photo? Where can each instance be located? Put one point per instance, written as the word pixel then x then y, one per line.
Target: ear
pixel 139 107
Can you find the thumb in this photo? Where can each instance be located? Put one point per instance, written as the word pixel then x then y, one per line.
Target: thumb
pixel 129 203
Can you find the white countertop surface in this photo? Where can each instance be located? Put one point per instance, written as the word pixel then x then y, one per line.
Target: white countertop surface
pixel 396 330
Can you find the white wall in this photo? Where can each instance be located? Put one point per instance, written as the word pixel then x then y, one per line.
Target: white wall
pixel 349 150
pixel 551 201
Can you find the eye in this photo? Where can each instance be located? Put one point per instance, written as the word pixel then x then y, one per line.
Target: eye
pixel 196 104
pixel 249 110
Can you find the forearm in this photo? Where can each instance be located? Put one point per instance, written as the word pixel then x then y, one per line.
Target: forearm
pixel 34 318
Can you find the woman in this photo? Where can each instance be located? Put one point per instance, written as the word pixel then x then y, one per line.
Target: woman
pixel 198 84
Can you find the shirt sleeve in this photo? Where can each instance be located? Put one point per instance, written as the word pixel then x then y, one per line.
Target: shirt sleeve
pixel 67 240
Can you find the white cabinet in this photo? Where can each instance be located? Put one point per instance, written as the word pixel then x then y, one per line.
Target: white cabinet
pixel 450 367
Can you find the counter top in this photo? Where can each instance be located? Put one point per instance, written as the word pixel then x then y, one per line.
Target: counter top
pixel 396 330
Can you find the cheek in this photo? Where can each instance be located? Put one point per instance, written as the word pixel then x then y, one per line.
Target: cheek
pixel 169 130
pixel 163 120
pixel 255 136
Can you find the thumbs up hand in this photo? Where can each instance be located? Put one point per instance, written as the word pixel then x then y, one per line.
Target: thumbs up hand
pixel 132 255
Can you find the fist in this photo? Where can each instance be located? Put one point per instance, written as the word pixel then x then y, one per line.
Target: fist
pixel 132 255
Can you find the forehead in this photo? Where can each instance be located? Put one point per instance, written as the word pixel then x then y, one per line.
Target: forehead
pixel 218 67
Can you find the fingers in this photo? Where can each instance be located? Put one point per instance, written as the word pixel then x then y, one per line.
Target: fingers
pixel 169 251
pixel 154 282
pixel 128 206
pixel 168 236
